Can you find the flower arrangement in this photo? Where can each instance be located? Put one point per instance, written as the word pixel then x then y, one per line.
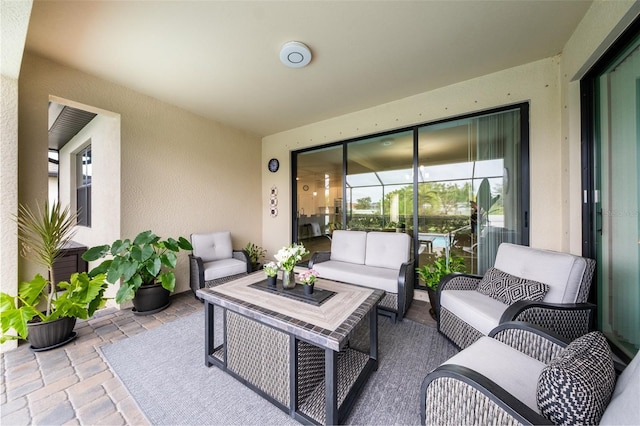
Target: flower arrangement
pixel 308 277
pixel 271 269
pixel 287 257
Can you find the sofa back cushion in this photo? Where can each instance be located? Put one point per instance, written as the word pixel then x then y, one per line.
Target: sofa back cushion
pixel 562 272
pixel 387 249
pixel 348 246
pixel 212 246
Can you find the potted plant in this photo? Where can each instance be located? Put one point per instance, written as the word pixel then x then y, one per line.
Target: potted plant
pixel 144 266
pixel 271 270
pixel 41 312
pixel 308 279
pixel 256 253
pixel 432 274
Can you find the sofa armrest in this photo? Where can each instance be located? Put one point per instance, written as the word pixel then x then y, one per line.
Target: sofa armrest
pixel 244 256
pixel 569 320
pixel 319 257
pixel 530 339
pixel 453 394
pixel 196 273
pixel 406 281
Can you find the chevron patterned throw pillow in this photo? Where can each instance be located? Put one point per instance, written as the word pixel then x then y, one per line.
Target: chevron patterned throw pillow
pixel 576 386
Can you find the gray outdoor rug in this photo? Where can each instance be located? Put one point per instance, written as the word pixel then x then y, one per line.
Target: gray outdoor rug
pixel 164 371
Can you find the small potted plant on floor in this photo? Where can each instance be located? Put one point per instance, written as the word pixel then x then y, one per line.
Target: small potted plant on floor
pixel 256 254
pixel 144 266
pixel 432 274
pixel 42 312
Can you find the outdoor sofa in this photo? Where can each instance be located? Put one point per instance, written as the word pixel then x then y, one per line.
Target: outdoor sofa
pixel 379 260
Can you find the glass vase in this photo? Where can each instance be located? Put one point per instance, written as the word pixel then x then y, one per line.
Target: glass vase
pixel 288 279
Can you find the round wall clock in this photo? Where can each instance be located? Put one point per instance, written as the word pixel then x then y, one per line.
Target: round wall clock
pixel 274 165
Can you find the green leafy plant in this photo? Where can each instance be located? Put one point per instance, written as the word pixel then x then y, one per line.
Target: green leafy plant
pixel 42 234
pixel 443 265
pixel 144 261
pixel 256 253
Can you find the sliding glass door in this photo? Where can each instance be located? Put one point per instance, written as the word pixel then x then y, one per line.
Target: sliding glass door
pixel 616 224
pixel 470 188
pixel 457 187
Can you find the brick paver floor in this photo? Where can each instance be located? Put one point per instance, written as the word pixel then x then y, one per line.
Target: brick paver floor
pixel 73 385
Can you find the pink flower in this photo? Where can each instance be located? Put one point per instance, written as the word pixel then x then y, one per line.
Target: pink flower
pixel 308 277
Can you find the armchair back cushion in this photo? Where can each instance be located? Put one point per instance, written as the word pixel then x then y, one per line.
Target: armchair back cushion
pixel 562 272
pixel 624 409
pixel 212 246
pixel 387 249
pixel 348 246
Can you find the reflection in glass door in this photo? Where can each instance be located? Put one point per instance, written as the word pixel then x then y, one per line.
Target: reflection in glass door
pixel 617 224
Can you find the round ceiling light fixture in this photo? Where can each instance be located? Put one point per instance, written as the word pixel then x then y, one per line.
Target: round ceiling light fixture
pixel 295 54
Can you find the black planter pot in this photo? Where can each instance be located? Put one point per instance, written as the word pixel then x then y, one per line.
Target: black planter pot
pixel 150 299
pixel 435 306
pixel 51 334
pixel 308 289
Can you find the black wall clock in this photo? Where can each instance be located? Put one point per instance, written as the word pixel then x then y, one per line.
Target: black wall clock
pixel 274 165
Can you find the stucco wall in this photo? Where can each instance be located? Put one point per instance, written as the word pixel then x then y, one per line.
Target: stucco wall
pixel 537 83
pixel 550 85
pixel 179 173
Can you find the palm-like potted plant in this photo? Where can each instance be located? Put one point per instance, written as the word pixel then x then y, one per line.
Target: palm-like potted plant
pixel 144 266
pixel 431 274
pixel 41 312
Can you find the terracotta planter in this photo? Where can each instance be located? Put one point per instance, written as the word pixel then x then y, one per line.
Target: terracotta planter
pixel 150 299
pixel 51 334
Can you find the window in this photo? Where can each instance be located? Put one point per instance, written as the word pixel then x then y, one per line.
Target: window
pixel 83 186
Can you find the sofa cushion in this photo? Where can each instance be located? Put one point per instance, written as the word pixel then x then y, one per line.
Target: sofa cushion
pixel 212 245
pixel 624 409
pixel 562 272
pixel 509 289
pixel 576 386
pixel 367 276
pixel 348 246
pixel 479 311
pixel 387 249
pixel 223 268
pixel 481 356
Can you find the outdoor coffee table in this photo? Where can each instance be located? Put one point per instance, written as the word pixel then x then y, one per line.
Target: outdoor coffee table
pixel 300 354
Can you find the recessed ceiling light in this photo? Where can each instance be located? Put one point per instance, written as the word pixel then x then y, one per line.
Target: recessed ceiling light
pixel 295 54
pixel 386 141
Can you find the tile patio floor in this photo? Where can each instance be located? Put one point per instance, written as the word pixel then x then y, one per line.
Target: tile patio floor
pixel 73 385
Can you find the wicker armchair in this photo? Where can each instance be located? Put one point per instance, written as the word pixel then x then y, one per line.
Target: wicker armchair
pixel 471 306
pixel 214 261
pixel 522 374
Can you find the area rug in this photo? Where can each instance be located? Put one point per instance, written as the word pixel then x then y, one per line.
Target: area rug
pixel 164 371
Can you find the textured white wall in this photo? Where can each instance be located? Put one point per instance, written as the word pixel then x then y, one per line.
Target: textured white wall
pixel 179 173
pixel 536 83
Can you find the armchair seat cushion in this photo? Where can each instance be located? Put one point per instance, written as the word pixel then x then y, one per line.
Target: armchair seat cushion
pixel 223 268
pixel 368 276
pixel 515 372
pixel 474 308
